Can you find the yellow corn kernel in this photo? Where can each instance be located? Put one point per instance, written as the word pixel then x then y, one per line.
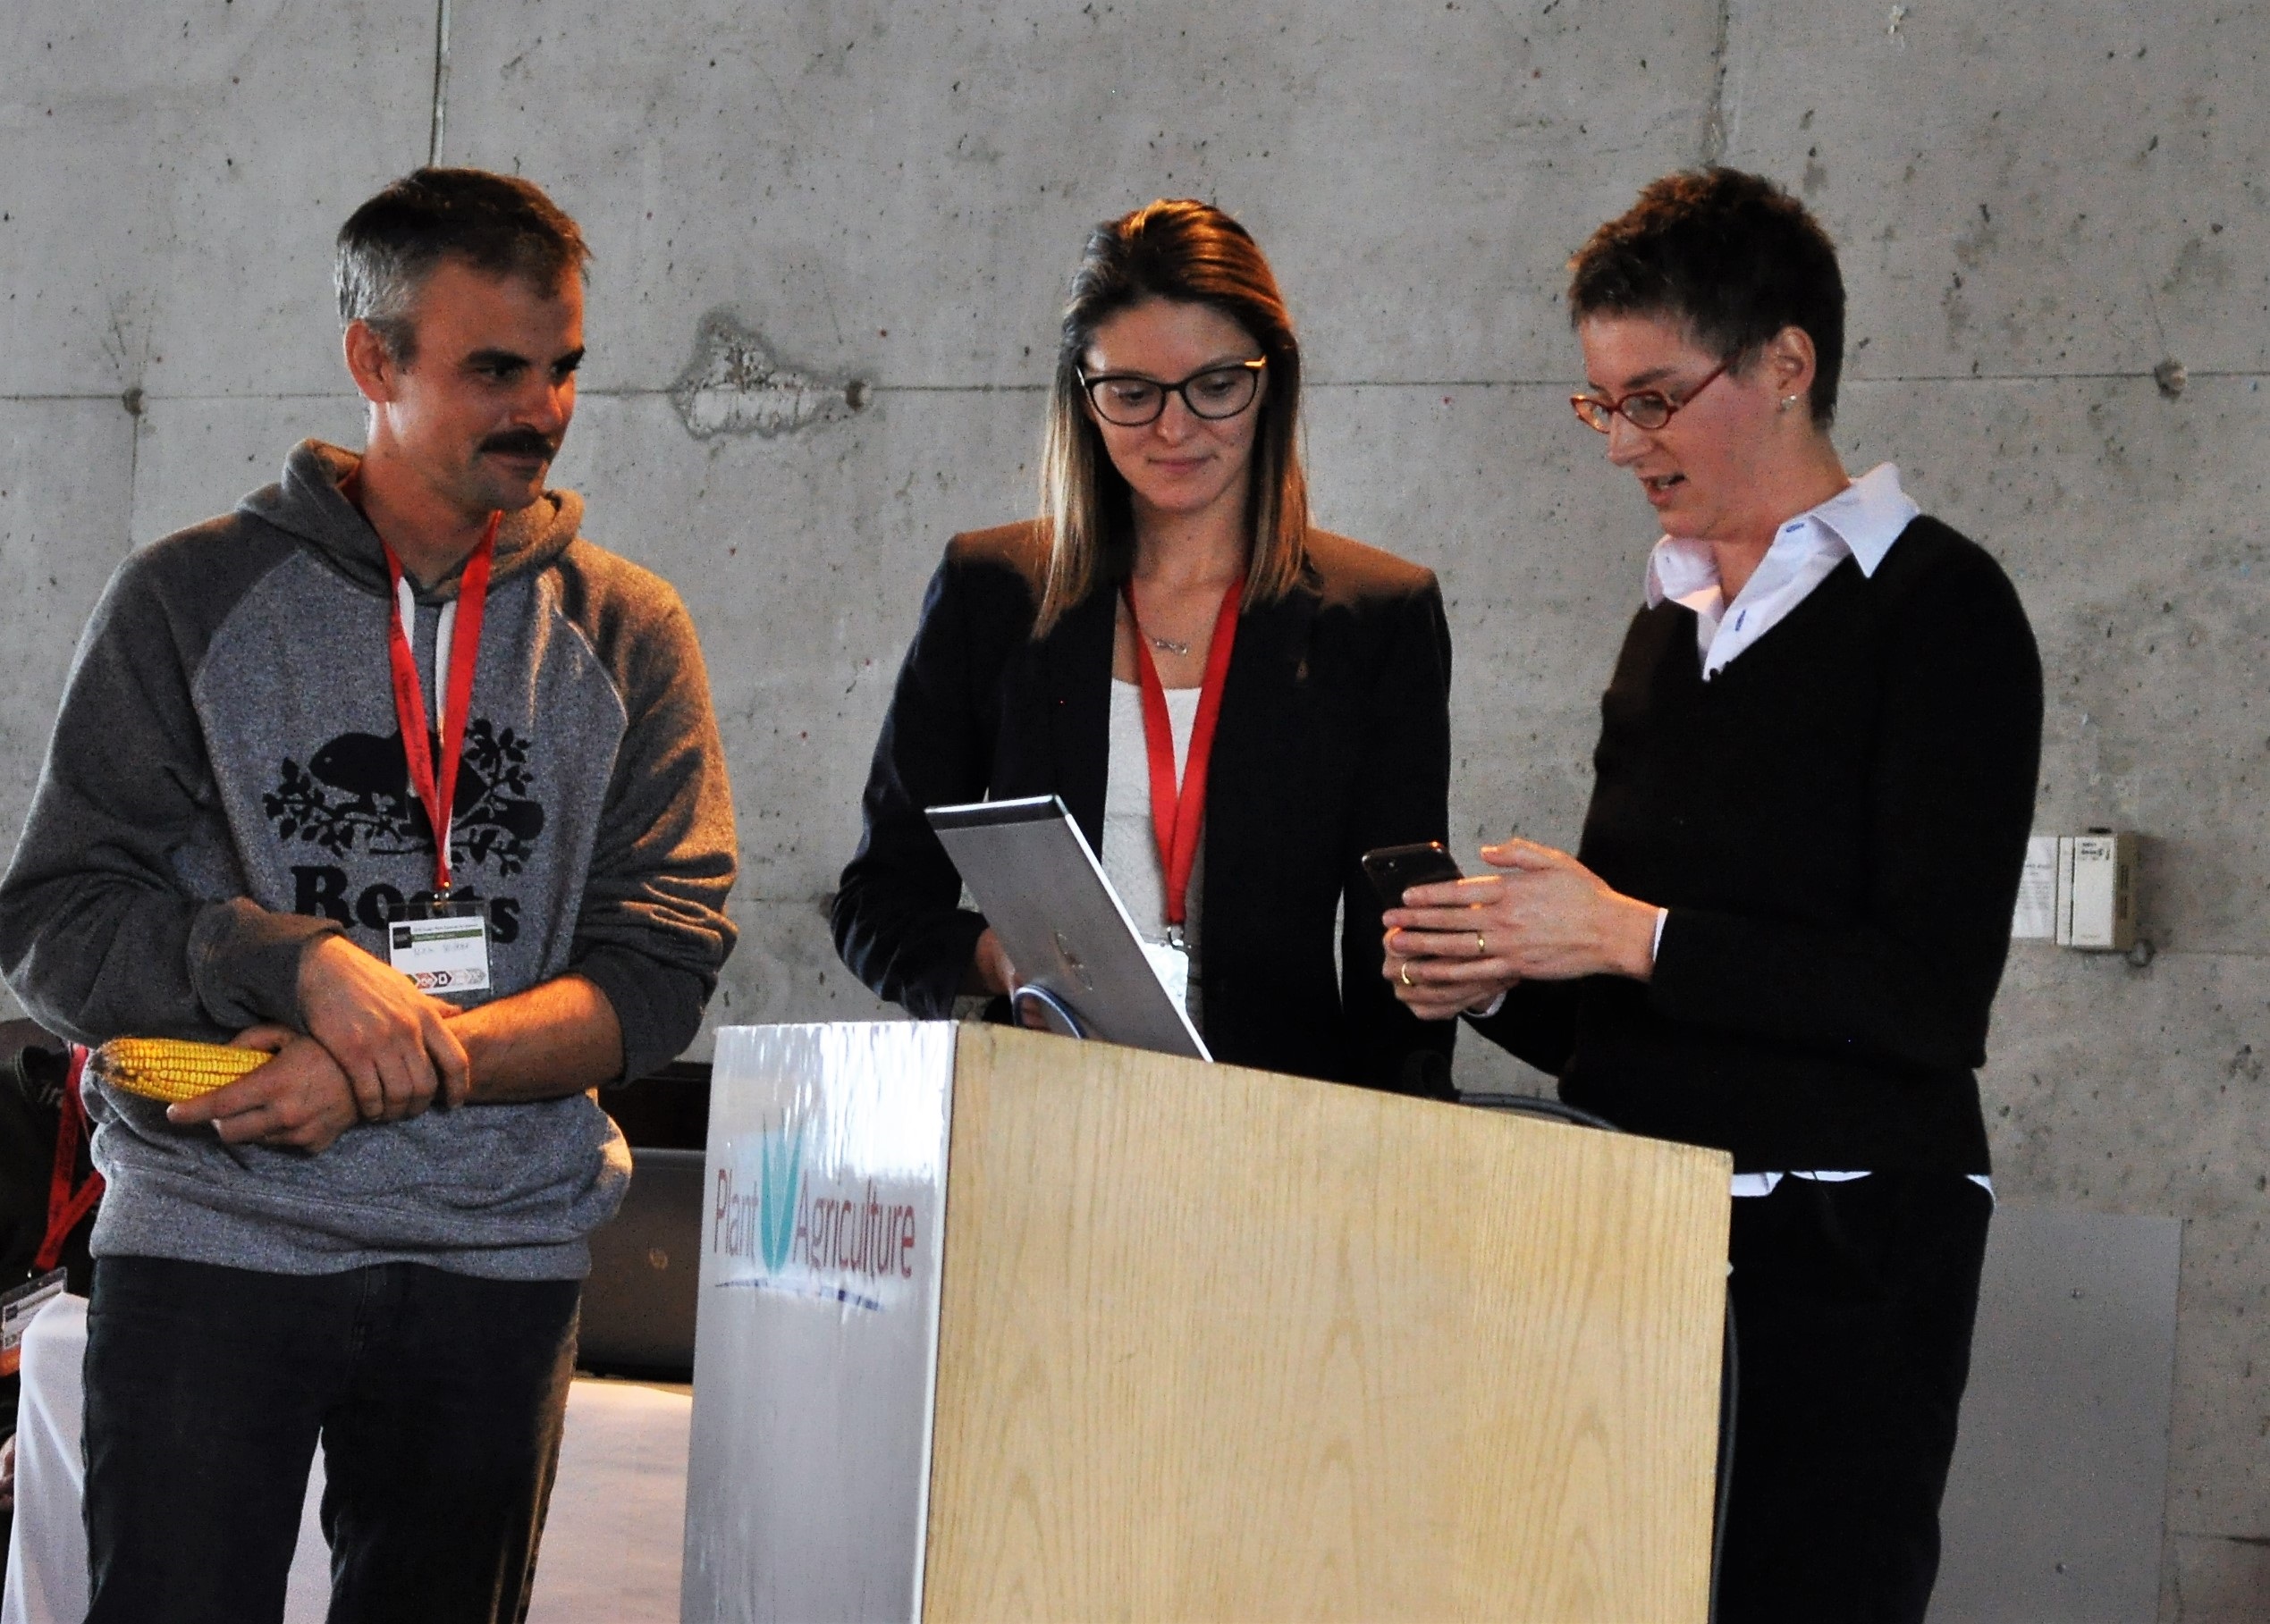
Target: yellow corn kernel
pixel 173 1068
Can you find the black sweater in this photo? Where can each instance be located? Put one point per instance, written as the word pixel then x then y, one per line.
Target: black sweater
pixel 1836 822
pixel 1334 739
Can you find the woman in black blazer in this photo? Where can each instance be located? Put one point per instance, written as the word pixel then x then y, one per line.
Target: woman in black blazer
pixel 1177 522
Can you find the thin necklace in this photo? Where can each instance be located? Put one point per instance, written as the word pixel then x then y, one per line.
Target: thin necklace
pixel 1166 646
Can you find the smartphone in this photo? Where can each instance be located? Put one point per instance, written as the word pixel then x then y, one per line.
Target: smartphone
pixel 1394 870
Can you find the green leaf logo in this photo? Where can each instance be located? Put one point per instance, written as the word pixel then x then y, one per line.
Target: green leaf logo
pixel 782 1175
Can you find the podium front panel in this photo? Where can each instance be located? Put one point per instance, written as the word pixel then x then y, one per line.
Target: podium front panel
pixel 816 1336
pixel 1216 1344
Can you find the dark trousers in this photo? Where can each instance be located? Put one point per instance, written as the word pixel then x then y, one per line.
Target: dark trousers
pixel 1853 1304
pixel 438 1400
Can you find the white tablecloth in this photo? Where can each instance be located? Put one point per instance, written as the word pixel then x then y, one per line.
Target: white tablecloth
pixel 612 1541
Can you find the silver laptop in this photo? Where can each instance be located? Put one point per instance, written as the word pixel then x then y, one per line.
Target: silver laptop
pixel 1040 886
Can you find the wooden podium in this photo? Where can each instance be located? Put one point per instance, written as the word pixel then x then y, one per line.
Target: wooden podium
pixel 996 1325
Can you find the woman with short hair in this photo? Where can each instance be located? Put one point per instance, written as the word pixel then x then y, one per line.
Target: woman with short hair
pixel 1080 654
pixel 1783 929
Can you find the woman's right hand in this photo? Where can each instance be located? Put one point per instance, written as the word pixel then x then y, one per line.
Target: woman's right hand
pixel 990 972
pixel 1436 958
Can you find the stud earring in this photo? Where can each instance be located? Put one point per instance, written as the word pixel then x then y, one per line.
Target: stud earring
pixel 1789 400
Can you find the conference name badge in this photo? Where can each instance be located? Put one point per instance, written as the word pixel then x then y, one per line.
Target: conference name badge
pixel 441 944
pixel 1170 962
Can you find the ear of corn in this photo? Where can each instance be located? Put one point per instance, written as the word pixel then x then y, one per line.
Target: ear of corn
pixel 172 1068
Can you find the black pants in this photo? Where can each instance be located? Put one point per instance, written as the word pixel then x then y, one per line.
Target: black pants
pixel 438 1398
pixel 1853 1304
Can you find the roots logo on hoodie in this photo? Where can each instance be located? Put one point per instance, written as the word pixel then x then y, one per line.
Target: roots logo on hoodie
pixel 354 794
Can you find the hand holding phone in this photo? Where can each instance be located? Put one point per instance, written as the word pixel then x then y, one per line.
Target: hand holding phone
pixel 1394 870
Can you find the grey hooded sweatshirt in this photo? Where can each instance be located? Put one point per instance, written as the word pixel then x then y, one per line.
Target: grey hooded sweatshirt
pixel 227 782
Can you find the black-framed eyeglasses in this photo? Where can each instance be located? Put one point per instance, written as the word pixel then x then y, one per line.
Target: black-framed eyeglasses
pixel 1643 408
pixel 1128 399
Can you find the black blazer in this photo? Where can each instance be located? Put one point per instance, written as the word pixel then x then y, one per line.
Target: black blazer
pixel 1334 739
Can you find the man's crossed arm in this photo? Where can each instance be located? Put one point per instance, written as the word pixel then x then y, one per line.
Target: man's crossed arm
pixel 376 1049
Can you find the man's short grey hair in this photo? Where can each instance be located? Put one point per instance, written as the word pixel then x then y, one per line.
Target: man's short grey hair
pixel 500 225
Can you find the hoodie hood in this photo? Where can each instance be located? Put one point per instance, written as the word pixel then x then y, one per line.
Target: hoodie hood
pixel 308 504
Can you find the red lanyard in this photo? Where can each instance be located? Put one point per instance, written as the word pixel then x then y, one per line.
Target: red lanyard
pixel 65 1205
pixel 1176 814
pixel 439 791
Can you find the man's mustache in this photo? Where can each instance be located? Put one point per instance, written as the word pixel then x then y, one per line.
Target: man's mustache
pixel 521 442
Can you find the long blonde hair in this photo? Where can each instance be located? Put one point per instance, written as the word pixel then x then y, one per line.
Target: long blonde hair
pixel 1191 253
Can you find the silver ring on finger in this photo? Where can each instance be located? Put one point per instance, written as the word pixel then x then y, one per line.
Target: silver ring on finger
pixel 1405 972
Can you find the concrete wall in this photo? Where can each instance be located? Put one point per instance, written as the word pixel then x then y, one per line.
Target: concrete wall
pixel 2039 205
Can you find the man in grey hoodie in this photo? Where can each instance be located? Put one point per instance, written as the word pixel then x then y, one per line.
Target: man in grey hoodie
pixel 376 1239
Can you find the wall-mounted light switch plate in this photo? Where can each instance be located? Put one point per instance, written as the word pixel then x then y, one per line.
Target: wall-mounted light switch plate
pixel 2097 891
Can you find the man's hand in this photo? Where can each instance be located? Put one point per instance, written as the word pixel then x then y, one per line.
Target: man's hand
pixel 557 1038
pixel 301 1098
pixel 393 1041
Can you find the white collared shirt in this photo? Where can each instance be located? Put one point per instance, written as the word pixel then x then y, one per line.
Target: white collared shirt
pixel 1860 523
